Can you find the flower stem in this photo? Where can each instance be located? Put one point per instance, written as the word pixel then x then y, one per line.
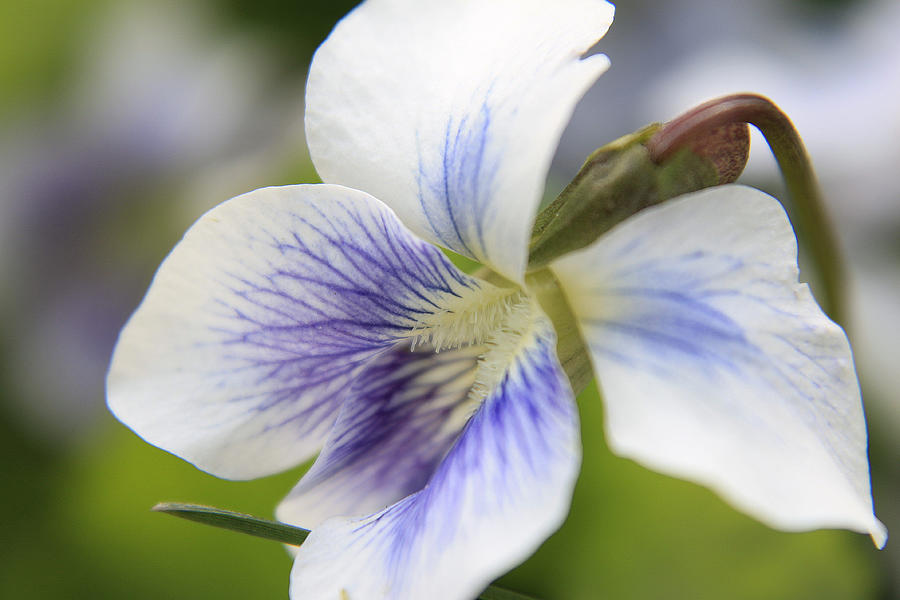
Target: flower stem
pixel 796 169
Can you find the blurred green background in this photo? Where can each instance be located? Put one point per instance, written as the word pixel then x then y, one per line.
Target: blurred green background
pixel 122 121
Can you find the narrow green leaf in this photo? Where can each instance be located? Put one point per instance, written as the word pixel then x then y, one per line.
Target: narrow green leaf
pixel 496 593
pixel 226 519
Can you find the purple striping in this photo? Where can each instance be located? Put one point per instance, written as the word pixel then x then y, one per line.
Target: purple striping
pixel 456 187
pixel 393 430
pixel 512 447
pixel 342 288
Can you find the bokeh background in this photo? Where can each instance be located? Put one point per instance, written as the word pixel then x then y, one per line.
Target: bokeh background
pixel 121 121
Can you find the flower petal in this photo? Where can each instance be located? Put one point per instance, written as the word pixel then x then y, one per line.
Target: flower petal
pixel 716 365
pixel 502 489
pixel 451 111
pixel 239 356
pixel 402 414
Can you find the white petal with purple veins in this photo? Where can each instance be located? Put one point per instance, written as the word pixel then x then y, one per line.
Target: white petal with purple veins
pixel 716 365
pixel 451 111
pixel 402 414
pixel 501 490
pixel 239 356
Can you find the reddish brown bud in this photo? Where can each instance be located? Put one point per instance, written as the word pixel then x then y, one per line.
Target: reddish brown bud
pixel 726 147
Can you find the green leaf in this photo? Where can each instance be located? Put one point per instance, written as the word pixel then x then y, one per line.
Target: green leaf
pixel 226 519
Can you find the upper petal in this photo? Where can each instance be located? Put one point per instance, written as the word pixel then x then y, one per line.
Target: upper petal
pixel 239 356
pixel 451 111
pixel 501 490
pixel 718 366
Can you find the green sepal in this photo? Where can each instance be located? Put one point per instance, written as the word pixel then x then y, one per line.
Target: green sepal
pixel 570 347
pixel 226 519
pixel 617 181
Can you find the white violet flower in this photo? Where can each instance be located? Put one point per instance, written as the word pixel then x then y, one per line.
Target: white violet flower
pixel 310 318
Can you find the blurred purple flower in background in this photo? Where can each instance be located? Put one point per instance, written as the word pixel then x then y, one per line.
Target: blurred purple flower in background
pixel 162 110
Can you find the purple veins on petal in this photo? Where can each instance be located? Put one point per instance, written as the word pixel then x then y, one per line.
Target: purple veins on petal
pixel 500 489
pixel 455 187
pixel 401 415
pixel 311 320
pixel 283 294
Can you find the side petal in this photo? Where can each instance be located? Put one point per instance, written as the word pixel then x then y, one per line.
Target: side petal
pixel 716 365
pixel 402 414
pixel 239 356
pixel 451 112
pixel 501 490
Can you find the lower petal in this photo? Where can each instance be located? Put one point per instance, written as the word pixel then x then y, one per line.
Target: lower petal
pixel 501 490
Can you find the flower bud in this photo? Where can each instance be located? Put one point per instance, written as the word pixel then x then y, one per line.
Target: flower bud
pixel 726 147
pixel 625 176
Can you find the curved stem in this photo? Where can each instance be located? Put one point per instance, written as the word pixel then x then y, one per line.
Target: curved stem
pixel 795 166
